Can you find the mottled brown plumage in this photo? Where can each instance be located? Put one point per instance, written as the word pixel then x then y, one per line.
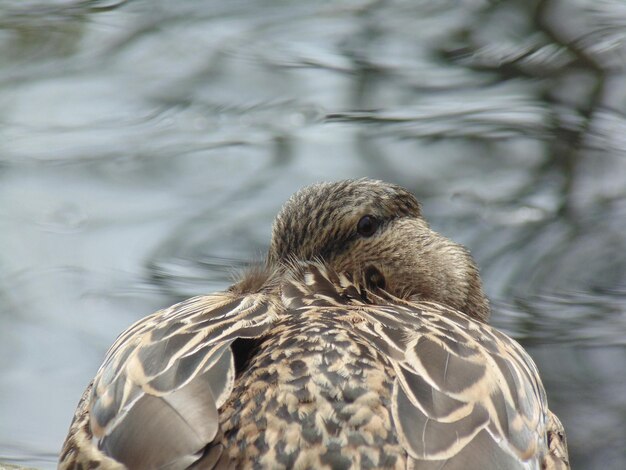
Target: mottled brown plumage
pixel 362 343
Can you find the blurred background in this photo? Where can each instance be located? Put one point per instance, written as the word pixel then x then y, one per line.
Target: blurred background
pixel 145 147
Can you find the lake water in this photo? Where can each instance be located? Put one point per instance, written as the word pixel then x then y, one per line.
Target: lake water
pixel 145 147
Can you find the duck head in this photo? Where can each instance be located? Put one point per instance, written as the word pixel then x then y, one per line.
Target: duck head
pixel 375 232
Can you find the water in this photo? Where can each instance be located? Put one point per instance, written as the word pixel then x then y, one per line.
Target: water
pixel 145 147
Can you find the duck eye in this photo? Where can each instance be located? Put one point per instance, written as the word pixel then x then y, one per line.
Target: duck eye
pixel 367 226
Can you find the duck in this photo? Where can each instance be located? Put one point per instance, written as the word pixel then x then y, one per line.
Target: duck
pixel 363 341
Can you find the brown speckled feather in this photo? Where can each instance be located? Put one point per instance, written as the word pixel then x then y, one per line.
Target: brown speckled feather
pixel 462 388
pixel 351 349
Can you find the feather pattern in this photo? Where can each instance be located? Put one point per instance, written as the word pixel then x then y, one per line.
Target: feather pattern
pixel 346 351
pixel 170 373
pixel 455 376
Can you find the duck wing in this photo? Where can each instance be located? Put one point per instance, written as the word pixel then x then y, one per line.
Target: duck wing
pixel 465 394
pixel 558 458
pixel 154 402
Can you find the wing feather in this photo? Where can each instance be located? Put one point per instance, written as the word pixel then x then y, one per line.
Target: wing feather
pixel 155 400
pixel 482 394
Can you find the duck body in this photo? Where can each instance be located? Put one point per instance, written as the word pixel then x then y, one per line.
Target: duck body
pixel 316 395
pixel 362 343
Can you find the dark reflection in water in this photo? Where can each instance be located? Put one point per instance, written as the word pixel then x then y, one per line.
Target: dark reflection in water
pixel 145 147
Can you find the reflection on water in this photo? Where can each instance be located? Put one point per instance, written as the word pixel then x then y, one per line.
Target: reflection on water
pixel 145 147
